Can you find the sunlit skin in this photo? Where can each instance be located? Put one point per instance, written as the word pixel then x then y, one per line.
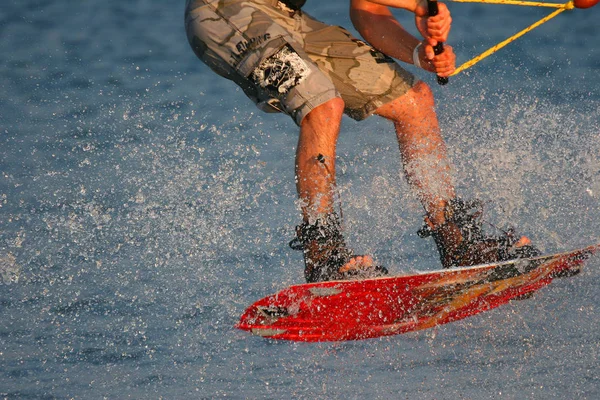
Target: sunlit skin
pixel 376 24
pixel 412 115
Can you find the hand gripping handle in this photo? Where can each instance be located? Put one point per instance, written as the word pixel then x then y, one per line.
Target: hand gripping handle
pixel 439 48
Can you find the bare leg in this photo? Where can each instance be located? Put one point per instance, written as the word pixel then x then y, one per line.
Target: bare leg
pixel 315 158
pixel 423 151
pixel 460 240
pixel 325 253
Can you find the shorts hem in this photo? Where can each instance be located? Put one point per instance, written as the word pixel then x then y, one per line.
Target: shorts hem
pixel 313 103
pixel 368 109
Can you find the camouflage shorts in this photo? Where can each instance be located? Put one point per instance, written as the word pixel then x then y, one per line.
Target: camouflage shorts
pixel 288 61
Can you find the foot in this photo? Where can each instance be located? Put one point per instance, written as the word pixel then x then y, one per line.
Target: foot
pixel 461 242
pixel 361 267
pixel 326 256
pixel 357 263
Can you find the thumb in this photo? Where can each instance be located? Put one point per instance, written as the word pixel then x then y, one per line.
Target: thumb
pixel 429 53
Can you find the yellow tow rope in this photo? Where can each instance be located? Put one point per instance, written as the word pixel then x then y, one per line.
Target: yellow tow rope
pixel 560 8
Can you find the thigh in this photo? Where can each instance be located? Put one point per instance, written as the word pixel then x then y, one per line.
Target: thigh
pixel 365 78
pixel 254 44
pixel 231 34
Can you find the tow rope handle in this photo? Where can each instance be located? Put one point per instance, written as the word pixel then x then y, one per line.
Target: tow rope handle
pixel 432 7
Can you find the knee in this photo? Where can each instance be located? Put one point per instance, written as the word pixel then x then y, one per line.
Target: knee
pixel 331 109
pixel 422 94
pixel 415 102
pixel 334 106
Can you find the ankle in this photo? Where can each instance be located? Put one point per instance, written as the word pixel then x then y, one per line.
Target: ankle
pixel 324 247
pixel 439 213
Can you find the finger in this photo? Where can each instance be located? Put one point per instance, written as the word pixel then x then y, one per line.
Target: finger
pixel 445 71
pixel 429 41
pixel 445 63
pixel 444 68
pixel 442 63
pixel 429 53
pixel 439 25
pixel 439 30
pixel 439 20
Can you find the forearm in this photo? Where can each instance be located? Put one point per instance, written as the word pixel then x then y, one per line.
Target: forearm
pixel 418 7
pixel 379 27
pixel 376 24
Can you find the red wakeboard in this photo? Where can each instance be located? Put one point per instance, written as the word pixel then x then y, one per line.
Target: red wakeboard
pixel 369 308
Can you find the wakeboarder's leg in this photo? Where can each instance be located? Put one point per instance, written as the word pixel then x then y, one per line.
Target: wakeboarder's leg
pixel 454 224
pixel 326 254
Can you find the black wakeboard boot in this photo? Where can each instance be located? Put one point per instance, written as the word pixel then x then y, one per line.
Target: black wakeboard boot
pixel 326 256
pixel 461 241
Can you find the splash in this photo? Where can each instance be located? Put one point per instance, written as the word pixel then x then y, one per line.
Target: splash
pixel 9 269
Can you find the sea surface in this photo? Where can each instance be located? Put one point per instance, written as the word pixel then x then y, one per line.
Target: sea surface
pixel 145 203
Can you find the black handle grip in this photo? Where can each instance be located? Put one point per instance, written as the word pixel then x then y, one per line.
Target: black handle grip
pixel 439 48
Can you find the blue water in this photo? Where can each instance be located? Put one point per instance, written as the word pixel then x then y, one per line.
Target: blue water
pixel 144 203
